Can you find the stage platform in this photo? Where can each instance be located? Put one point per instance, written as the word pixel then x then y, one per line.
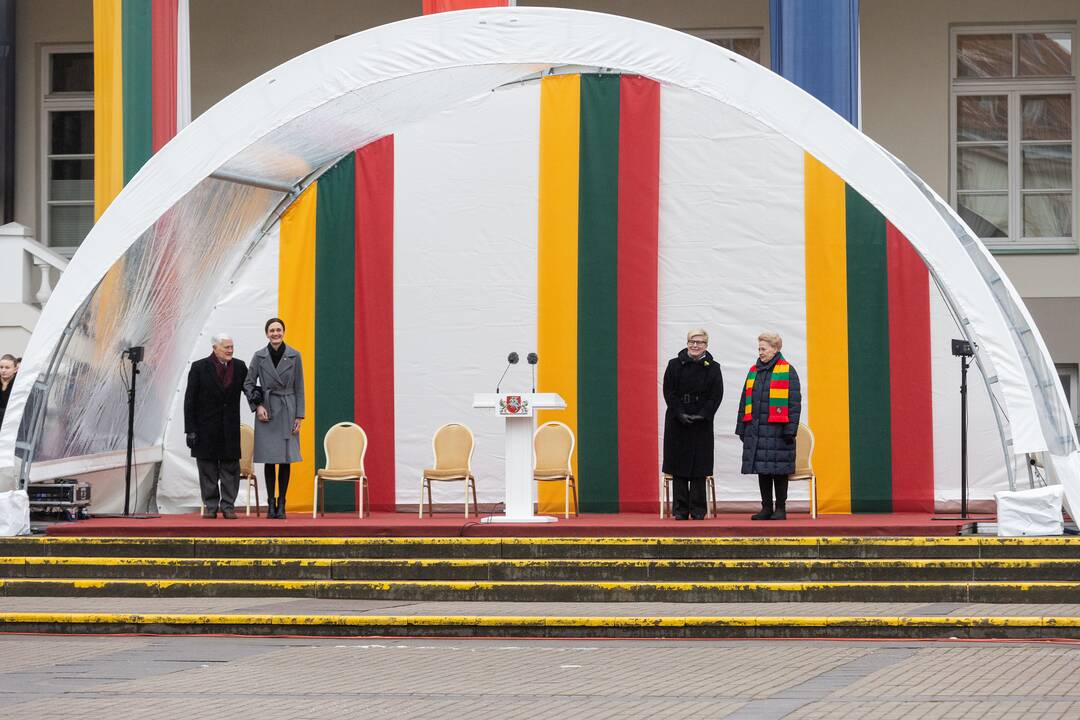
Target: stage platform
pixel 396 524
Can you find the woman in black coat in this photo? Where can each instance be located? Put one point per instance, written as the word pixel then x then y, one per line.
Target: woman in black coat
pixel 693 389
pixel 768 424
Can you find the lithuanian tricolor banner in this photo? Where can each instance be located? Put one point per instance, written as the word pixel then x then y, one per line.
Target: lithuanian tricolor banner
pixel 141 87
pixel 597 279
pixel 868 368
pixel 336 297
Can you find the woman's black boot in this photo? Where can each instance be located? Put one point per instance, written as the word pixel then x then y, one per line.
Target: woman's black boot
pixel 765 487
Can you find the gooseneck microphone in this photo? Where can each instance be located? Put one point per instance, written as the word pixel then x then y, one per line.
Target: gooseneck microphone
pixel 532 360
pixel 511 359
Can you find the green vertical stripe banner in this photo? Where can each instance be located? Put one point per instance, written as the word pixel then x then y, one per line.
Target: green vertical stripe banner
pixel 335 253
pixel 868 357
pixel 598 456
pixel 136 49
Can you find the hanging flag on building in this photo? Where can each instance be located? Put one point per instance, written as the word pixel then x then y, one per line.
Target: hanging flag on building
pixel 437 6
pixel 142 87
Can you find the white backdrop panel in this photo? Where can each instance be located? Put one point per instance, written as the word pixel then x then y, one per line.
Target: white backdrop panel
pixel 251 299
pixel 731 252
pixel 465 214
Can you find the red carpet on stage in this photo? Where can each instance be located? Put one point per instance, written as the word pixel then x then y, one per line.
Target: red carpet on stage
pixel 387 524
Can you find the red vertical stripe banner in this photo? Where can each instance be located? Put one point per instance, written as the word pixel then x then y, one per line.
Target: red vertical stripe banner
pixel 374 368
pixel 163 28
pixel 638 232
pixel 437 6
pixel 910 380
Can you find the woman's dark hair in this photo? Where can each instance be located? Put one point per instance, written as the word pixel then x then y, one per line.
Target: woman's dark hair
pixel 270 322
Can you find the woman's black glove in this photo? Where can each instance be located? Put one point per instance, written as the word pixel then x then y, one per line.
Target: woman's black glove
pixel 686 419
pixel 191 439
pixel 256 396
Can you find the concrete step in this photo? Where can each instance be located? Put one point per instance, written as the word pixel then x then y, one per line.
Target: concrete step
pixel 543 570
pixel 562 591
pixel 643 548
pixel 564 626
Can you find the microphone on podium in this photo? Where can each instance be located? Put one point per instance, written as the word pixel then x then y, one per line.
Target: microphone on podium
pixel 533 359
pixel 511 359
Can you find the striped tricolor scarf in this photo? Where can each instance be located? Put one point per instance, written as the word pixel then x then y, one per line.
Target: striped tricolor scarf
pixel 778 392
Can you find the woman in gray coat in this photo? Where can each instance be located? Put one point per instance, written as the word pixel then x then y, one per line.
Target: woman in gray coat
pixel 275 391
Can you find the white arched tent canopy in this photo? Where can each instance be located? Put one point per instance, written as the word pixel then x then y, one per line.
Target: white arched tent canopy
pixel 150 269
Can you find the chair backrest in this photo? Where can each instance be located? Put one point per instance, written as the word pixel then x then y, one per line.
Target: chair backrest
pixel 804 451
pixel 247 449
pixel 452 446
pixel 553 445
pixel 345 445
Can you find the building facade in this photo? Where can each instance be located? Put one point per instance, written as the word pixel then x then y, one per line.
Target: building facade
pixel 979 97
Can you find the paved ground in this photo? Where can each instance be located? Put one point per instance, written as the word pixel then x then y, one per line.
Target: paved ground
pixel 307 606
pixel 267 678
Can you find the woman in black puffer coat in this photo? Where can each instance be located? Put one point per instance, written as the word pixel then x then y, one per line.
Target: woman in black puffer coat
pixel 693 389
pixel 768 424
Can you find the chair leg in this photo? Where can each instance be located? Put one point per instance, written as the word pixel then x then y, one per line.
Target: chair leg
pixel 360 510
pixel 420 499
pixel 247 501
pixel 322 497
pixel 577 500
pixel 466 498
pixel 255 482
pixel 367 494
pixel 314 498
pixel 430 501
pixel 813 497
pixel 475 505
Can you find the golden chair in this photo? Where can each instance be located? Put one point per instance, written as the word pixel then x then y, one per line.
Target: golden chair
pixel 247 467
pixel 553 448
pixel 345 445
pixel 804 469
pixel 452 446
pixel 710 495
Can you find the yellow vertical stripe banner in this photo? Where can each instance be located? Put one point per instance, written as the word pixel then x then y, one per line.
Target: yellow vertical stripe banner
pixel 108 104
pixel 557 259
pixel 296 306
pixel 827 335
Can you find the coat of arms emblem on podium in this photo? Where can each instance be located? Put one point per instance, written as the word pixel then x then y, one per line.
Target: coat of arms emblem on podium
pixel 513 405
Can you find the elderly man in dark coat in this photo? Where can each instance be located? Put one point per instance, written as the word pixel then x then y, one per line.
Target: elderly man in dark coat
pixel 212 425
pixel 693 390
pixel 769 423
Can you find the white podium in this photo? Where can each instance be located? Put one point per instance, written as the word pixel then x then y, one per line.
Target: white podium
pixel 519 411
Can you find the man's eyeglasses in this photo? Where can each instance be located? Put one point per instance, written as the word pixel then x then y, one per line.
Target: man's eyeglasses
pixel 697 342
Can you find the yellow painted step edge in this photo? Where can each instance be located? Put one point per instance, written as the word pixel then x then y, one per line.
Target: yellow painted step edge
pixel 462 585
pixel 28 618
pixel 98 561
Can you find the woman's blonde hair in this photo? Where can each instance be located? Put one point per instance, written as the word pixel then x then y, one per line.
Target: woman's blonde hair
pixel 698 331
pixel 773 338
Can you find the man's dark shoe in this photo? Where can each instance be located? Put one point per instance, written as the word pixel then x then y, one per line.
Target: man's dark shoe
pixel 682 517
pixel 228 514
pixel 209 514
pixel 779 514
pixel 697 517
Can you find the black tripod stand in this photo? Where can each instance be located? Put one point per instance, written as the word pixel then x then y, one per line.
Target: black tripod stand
pixel 963 350
pixel 135 355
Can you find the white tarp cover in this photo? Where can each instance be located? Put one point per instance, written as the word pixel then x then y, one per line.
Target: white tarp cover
pixel 149 271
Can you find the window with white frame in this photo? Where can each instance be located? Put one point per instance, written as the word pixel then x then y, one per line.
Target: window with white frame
pixel 1070 382
pixel 741 41
pixel 1013 133
pixel 67 146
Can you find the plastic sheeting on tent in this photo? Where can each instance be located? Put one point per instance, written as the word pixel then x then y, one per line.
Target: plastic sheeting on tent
pixel 149 271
